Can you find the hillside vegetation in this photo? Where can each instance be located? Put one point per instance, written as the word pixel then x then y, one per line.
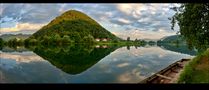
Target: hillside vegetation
pixel 74 26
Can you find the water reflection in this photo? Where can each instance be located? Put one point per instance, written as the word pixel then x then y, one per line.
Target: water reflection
pixel 73 59
pixel 84 64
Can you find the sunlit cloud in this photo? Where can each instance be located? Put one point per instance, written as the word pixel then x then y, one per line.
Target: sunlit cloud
pixel 21 58
pixel 122 65
pixel 137 20
pixel 137 34
pixel 21 27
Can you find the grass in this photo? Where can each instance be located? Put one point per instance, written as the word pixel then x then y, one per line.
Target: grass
pixel 197 70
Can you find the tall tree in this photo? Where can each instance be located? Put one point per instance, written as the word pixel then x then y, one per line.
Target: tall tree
pixel 128 38
pixel 1 42
pixel 193 21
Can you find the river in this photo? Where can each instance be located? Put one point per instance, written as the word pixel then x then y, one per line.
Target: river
pixel 79 64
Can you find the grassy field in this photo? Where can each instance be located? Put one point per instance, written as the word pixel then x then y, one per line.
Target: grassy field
pixel 197 70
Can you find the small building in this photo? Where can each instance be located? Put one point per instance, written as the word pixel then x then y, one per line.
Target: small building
pixel 104 46
pixel 104 39
pixel 97 46
pixel 97 39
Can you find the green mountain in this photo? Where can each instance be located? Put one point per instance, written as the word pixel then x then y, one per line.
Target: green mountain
pixel 7 37
pixel 75 25
pixel 176 43
pixel 174 39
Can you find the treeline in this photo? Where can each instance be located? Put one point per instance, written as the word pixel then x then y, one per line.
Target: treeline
pixel 46 40
pixel 58 40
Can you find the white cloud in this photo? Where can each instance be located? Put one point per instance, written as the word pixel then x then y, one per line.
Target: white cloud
pixel 129 8
pixel 114 17
pixel 124 20
pixel 21 26
pixel 144 34
pixel 122 65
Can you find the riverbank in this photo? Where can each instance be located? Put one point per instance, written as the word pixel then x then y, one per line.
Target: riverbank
pixel 196 71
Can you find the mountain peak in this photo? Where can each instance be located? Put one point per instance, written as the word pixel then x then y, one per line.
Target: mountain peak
pixel 72 15
pixel 74 24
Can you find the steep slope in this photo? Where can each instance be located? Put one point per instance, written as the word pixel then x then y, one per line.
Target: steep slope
pixel 76 25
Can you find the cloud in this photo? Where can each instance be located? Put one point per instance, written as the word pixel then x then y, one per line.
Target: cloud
pixel 131 8
pixel 22 27
pixel 122 65
pixel 148 19
pixel 143 34
pixel 31 13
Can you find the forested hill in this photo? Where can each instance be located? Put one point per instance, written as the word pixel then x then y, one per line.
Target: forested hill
pixel 173 39
pixel 75 25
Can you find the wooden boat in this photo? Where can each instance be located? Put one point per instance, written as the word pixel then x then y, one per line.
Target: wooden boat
pixel 167 75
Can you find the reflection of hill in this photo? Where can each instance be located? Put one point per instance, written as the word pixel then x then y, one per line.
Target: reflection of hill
pixel 181 49
pixel 74 59
pixel 13 49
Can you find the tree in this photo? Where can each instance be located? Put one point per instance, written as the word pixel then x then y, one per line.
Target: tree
pixel 46 40
pixel 88 39
pixel 56 39
pixel 193 21
pixel 128 38
pixel 136 40
pixel 66 39
pixel 1 42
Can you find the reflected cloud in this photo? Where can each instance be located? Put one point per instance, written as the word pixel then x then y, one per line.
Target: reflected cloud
pixel 123 65
pixel 21 57
pixel 143 66
pixel 132 76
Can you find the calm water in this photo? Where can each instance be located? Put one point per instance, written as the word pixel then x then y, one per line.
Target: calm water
pixel 84 64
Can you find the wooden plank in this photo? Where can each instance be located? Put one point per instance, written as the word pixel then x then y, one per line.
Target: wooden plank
pixel 174 70
pixel 164 76
pixel 177 64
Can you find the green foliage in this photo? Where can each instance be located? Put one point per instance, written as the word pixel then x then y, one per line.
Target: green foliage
pixel 88 39
pixel 151 43
pixel 1 43
pixel 76 25
pixel 174 39
pixel 196 71
pixel 128 39
pixel 66 39
pixel 73 59
pixel 193 20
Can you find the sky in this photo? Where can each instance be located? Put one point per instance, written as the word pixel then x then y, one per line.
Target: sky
pixel 134 20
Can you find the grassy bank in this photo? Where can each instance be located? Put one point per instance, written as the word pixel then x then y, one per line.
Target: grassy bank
pixel 197 70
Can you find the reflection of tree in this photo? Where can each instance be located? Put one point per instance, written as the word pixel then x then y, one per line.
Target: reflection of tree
pixel 73 59
pixel 128 47
pixel 13 49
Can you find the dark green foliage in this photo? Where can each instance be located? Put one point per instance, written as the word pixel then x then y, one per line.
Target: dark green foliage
pixel 73 59
pixel 128 38
pixel 88 39
pixel 1 43
pixel 15 42
pixel 151 43
pixel 193 20
pixel 77 26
